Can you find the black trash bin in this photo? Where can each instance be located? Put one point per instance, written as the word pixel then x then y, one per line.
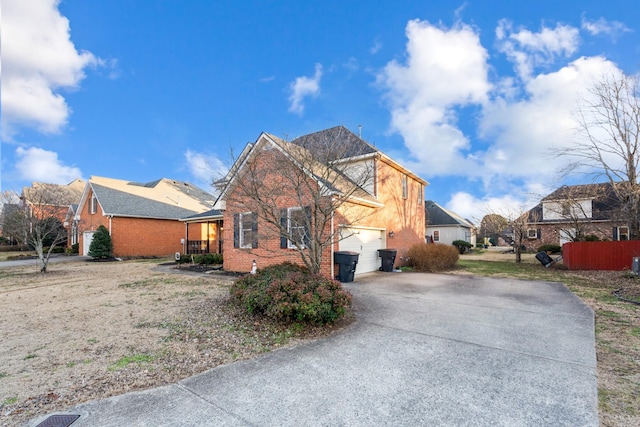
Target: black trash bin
pixel 347 261
pixel 388 259
pixel 544 259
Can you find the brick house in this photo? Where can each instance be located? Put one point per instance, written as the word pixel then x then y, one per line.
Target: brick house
pixel 143 219
pixel 573 213
pixel 445 226
pixel 54 200
pixel 355 198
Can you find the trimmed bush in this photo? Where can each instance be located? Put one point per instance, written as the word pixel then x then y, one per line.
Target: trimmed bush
pixel 201 259
pixel 433 257
pixel 462 245
pixel 101 246
pixel 287 292
pixel 591 238
pixel 550 248
pixel 209 259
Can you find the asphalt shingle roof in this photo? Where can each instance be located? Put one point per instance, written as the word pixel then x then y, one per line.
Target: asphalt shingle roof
pixel 437 215
pixel 337 136
pixel 120 203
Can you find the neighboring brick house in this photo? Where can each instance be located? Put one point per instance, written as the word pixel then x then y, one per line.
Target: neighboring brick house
pixel 56 196
pixel 54 199
pixel 575 213
pixel 445 226
pixel 385 210
pixel 143 219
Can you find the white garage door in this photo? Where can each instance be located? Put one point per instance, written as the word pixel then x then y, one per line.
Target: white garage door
pixel 87 238
pixel 366 242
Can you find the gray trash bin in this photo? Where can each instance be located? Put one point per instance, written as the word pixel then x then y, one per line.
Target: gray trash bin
pixel 347 261
pixel 388 259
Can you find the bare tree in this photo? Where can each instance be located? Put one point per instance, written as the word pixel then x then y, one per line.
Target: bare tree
pixel 609 124
pixel 36 219
pixel 317 176
pixel 493 226
pixel 519 223
pixel 512 225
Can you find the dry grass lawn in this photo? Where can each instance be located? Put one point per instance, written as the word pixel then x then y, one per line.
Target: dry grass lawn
pixel 89 330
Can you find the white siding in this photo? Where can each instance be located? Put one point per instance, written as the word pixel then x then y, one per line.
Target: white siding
pixel 576 209
pixel 449 234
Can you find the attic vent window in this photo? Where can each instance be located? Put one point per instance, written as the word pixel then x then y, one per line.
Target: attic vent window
pixel 404 187
pixel 93 203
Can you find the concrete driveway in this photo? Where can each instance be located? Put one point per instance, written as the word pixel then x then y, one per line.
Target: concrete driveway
pixel 425 350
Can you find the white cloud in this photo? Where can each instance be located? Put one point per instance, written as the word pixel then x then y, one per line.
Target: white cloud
pixel 524 131
pixel 38 61
pixel 475 208
pixel 303 87
pixel 205 168
pixel 36 164
pixel 445 69
pixel 529 50
pixel 375 48
pixel 602 26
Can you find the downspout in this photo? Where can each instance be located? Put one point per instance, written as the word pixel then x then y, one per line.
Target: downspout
pixel 333 274
pixel 110 218
pixel 186 239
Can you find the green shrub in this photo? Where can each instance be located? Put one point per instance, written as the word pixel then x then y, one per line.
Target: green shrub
pixel 202 259
pixel 433 257
pixel 209 259
pixel 101 246
pixel 287 292
pixel 55 250
pixel 462 245
pixel 591 238
pixel 550 248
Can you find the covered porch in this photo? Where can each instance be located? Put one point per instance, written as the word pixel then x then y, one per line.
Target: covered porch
pixel 203 233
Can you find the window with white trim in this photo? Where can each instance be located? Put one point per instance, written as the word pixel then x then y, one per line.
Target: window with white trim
pixel 532 233
pixel 623 233
pixel 93 204
pixel 245 227
pixel 296 226
pixel 405 190
pixel 436 236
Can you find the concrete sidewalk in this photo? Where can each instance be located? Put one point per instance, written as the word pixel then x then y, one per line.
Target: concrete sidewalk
pixel 425 350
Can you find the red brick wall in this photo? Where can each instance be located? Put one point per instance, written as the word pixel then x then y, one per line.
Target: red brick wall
pixel 133 237
pixel 89 221
pixel 146 237
pixel 405 216
pixel 550 233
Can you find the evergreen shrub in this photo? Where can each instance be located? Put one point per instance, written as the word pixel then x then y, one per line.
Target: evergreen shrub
pixel 101 245
pixel 550 248
pixel 462 245
pixel 289 293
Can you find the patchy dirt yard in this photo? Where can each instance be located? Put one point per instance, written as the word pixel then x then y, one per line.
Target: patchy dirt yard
pixel 88 330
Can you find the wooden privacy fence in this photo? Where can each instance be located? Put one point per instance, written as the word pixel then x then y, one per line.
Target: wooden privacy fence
pixel 615 256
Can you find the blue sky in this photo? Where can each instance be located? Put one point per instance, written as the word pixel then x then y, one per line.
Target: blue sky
pixel 470 95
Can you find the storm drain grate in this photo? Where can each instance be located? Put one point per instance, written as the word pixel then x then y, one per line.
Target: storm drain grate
pixel 59 421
